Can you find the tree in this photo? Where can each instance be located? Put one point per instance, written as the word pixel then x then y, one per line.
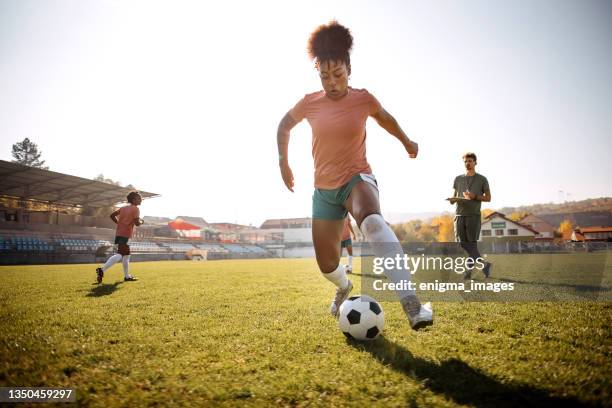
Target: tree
pixel 518 215
pixel 26 152
pixel 566 227
pixel 100 177
pixel 426 233
pixel 485 213
pixel 407 232
pixel 446 228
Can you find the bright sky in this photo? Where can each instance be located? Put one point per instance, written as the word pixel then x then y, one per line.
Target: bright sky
pixel 184 98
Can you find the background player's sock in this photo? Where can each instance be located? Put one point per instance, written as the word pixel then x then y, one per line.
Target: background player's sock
pixel 111 261
pixel 126 265
pixel 350 261
pixel 385 244
pixel 338 277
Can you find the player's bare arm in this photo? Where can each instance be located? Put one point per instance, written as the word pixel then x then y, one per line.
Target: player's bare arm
pixel 388 122
pixel 282 139
pixel 114 215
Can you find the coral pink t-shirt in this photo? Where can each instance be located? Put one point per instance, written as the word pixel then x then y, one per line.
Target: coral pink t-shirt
pixel 125 220
pixel 338 134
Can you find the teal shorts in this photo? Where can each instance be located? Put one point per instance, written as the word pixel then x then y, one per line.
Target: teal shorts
pixel 329 204
pixel 346 243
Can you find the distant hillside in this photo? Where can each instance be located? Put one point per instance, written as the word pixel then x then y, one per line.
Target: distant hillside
pixel 582 219
pixel 586 213
pixel 601 205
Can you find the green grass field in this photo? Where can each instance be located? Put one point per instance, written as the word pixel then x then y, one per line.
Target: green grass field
pixel 258 332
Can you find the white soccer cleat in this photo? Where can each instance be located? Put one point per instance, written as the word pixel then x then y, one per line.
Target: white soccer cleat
pixel 421 318
pixel 341 296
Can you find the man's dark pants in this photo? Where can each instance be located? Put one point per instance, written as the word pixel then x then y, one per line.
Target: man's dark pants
pixel 467 232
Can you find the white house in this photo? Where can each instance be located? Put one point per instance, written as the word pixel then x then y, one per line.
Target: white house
pixel 497 227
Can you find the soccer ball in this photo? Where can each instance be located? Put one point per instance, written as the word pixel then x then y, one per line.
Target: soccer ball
pixel 361 318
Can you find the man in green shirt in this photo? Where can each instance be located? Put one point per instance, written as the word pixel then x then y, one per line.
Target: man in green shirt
pixel 469 190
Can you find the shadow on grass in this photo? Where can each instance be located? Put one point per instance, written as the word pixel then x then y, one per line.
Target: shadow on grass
pixel 368 275
pixel 460 382
pixel 103 289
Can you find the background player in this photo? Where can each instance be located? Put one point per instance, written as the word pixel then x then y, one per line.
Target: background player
pixel 126 218
pixel 348 243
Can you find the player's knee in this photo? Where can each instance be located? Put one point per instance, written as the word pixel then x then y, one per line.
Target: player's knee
pixel 371 224
pixel 123 250
pixel 328 265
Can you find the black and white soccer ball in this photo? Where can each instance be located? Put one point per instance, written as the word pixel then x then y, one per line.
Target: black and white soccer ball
pixel 361 318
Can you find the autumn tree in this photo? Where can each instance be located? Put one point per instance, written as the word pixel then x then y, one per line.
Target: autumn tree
pixel 445 226
pixel 486 212
pixel 407 231
pixel 565 227
pixel 518 215
pixel 426 233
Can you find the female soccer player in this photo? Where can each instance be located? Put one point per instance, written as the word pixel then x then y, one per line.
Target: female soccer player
pixel 343 178
pixel 126 218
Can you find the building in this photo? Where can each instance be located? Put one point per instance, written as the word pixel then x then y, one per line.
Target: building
pixel 498 233
pixel 261 236
pixel 592 234
pixel 185 229
pixel 546 231
pixel 52 202
pixel 198 221
pixel 227 231
pixel 292 230
pixel 287 223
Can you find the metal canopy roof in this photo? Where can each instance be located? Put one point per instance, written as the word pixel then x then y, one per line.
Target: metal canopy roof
pixel 30 183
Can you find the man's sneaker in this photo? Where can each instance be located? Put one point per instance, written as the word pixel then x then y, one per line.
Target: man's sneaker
pixel 99 275
pixel 487 270
pixel 341 295
pixel 130 278
pixel 419 315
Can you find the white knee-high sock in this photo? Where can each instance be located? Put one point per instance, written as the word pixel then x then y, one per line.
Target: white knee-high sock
pixel 126 265
pixel 111 261
pixel 338 277
pixel 386 245
pixel 350 261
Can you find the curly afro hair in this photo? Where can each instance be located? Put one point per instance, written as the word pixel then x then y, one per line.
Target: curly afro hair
pixel 132 195
pixel 331 42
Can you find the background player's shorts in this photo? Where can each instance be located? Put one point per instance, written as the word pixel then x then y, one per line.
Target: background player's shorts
pixel 346 243
pixel 329 204
pixel 122 245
